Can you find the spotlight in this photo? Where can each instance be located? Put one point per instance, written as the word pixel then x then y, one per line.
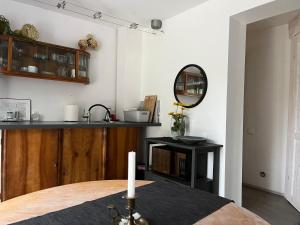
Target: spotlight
pixel 61 4
pixel 133 26
pixel 97 15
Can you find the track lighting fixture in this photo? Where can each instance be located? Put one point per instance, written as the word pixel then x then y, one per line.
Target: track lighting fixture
pixel 133 26
pixel 97 15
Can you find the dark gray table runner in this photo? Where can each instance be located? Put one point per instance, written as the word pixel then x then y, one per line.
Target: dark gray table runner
pixel 161 203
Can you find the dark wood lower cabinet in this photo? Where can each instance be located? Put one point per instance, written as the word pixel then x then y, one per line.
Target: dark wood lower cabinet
pixel 161 160
pixel 83 155
pixel 35 159
pixel 29 161
pixel 120 142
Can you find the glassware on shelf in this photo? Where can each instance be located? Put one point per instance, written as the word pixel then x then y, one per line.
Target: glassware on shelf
pixel 61 62
pixel 83 65
pixel 62 71
pixel 39 56
pixel 3 54
pixel 27 57
pixel 70 58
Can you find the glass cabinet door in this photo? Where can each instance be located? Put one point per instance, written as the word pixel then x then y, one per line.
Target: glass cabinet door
pixel 83 71
pixel 43 60
pixel 25 57
pixel 3 54
pixel 61 63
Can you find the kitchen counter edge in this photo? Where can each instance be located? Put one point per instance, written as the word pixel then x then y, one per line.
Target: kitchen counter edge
pixel 62 125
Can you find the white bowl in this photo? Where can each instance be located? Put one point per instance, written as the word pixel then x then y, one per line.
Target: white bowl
pixel 32 69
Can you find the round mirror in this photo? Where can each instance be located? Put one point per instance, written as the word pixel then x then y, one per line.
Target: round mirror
pixel 190 86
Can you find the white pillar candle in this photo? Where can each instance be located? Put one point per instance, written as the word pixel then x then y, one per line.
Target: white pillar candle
pixel 131 175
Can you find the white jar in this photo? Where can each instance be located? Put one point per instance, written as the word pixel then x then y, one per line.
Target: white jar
pixel 71 113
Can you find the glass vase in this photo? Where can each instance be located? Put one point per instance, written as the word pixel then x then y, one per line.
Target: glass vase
pixel 177 127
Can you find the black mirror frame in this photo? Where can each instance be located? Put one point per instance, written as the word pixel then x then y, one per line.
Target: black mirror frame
pixel 204 91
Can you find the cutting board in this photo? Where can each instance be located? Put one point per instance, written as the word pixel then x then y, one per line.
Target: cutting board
pixel 149 105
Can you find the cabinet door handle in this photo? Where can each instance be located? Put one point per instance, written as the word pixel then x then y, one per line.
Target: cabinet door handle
pixel 55 165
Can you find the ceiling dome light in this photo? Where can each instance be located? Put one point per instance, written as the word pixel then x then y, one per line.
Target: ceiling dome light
pixel 156 24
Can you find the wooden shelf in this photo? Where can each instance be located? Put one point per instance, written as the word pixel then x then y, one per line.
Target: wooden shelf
pixel 82 80
pixel 26 59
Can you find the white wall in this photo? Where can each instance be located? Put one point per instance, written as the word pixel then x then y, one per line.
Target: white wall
pixel 266 107
pixel 200 36
pixel 49 97
pixel 3 87
pixel 128 89
pixel 234 120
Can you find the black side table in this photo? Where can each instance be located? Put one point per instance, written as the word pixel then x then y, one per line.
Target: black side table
pixel 198 152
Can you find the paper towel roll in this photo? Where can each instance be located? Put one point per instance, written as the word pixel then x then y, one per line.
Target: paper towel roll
pixel 71 113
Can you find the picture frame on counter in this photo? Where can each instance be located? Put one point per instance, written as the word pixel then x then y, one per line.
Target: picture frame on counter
pixel 14 110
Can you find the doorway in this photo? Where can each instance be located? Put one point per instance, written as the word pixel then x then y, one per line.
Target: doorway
pixel 266 116
pixel 235 89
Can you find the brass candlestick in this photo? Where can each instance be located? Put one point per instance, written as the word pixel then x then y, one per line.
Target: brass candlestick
pixel 130 208
pixel 118 219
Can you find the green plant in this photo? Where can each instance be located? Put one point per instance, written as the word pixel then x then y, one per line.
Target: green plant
pixel 178 123
pixel 4 26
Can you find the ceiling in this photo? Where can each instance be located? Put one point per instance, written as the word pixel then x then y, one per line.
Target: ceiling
pixel 139 11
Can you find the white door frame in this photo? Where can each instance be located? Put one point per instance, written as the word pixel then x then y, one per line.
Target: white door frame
pixel 292 171
pixel 235 90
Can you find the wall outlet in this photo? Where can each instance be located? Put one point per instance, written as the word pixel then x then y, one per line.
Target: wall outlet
pixel 262 174
pixel 251 131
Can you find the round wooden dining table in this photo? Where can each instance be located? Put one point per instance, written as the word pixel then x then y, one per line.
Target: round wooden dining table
pixel 61 197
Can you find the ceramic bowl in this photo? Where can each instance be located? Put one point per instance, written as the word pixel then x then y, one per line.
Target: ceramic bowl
pixel 32 69
pixel 191 139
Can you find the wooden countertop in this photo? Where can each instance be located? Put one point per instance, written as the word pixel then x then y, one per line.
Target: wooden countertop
pixel 58 198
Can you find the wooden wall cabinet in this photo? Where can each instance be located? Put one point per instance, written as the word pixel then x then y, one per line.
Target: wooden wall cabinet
pixel 33 59
pixel 35 159
pixel 83 155
pixel 29 161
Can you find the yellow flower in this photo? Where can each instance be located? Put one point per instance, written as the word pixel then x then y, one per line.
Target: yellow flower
pixel 178 104
pixel 181 104
pixel 180 114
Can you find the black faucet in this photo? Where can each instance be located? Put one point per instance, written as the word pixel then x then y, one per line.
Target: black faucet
pixel 107 115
